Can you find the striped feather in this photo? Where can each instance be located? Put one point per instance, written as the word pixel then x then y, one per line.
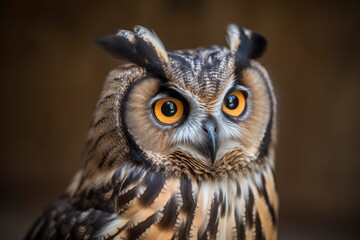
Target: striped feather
pixel 150 205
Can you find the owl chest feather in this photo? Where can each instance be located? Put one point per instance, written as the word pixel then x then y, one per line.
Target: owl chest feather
pixel 151 206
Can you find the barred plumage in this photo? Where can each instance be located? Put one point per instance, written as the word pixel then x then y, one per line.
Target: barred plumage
pixel 207 175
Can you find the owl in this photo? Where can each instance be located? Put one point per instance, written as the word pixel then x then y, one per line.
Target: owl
pixel 181 146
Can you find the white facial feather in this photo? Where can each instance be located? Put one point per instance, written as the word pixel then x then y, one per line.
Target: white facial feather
pixel 191 132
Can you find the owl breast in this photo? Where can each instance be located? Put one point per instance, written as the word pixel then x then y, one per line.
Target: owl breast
pixel 152 206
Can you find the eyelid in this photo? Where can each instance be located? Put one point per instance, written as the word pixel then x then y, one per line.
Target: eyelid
pixel 167 94
pixel 239 88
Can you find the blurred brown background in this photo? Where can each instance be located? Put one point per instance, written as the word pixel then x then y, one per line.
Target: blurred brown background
pixel 51 76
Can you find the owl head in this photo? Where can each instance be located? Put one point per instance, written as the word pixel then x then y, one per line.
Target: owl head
pixel 205 113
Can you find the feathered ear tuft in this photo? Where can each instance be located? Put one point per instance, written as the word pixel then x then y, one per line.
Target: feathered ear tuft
pixel 152 40
pixel 245 43
pixel 141 47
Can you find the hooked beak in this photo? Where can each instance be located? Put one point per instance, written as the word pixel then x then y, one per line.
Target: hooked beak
pixel 210 127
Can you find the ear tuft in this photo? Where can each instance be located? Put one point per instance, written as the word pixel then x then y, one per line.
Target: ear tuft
pixel 141 47
pixel 258 46
pixel 233 37
pixel 153 40
pixel 246 44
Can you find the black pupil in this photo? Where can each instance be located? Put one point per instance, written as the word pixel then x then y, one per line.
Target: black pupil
pixel 169 109
pixel 231 102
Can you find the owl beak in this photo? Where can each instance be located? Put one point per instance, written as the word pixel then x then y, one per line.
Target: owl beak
pixel 210 127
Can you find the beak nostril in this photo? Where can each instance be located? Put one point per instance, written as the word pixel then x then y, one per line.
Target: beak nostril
pixel 211 128
pixel 205 129
pixel 209 124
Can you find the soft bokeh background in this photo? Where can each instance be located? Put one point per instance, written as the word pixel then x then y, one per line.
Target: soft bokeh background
pixel 51 76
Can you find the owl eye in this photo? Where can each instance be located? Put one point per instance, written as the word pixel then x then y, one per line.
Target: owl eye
pixel 234 103
pixel 168 110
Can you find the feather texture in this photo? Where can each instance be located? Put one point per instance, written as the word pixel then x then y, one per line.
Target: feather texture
pixel 143 179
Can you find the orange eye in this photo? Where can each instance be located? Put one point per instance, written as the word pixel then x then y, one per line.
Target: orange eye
pixel 234 103
pixel 168 110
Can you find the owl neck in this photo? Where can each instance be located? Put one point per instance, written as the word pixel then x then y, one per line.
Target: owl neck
pixel 224 209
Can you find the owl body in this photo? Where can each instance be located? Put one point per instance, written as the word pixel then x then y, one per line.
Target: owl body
pixel 181 147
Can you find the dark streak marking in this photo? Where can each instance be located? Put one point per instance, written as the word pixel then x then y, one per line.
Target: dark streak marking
pixel 203 235
pixel 222 203
pixel 240 228
pixel 101 120
pixel 131 178
pixel 181 231
pixel 184 229
pixel 105 155
pixel 135 232
pixel 264 146
pixel 134 175
pixel 154 183
pixel 186 194
pixel 106 98
pixel 249 205
pixel 103 136
pixel 212 227
pixel 259 235
pixel 274 177
pixel 262 191
pixel 238 190
pixel 136 156
pixel 126 197
pixel 170 214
